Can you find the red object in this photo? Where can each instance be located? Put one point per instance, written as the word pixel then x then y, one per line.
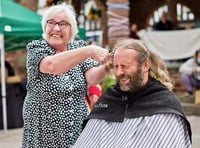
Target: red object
pixel 94 90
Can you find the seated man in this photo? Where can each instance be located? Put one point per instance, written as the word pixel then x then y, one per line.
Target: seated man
pixel 140 111
pixel 190 72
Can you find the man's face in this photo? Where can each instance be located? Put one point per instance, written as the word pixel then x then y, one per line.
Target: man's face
pixel 127 70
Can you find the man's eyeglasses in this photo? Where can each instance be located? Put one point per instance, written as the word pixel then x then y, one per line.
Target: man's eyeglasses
pixel 61 24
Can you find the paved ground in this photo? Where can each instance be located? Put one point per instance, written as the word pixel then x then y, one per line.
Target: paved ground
pixel 195 124
pixel 12 138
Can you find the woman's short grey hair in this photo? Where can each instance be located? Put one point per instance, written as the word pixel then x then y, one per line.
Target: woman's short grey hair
pixel 70 13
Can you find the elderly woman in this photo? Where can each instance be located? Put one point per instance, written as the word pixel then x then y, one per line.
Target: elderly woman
pixel 59 70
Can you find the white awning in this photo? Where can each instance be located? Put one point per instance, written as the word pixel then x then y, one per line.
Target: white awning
pixel 172 45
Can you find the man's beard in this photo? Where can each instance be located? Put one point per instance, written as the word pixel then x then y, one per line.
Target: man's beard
pixel 135 83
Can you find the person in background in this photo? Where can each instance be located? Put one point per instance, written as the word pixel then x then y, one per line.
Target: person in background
pixel 140 110
pixel 190 73
pixel 59 69
pixel 133 31
pixel 10 69
pixel 164 24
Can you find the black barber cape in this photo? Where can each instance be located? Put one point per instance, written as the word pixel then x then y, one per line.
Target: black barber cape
pixel 114 105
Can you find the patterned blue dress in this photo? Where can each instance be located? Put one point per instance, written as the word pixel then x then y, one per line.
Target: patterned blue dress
pixel 54 107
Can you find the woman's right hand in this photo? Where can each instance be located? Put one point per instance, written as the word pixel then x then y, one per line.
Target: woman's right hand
pixel 99 54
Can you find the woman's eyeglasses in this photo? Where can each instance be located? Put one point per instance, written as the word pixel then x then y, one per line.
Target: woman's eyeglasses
pixel 61 24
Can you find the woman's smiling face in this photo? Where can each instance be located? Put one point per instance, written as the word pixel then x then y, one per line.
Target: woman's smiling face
pixel 58 30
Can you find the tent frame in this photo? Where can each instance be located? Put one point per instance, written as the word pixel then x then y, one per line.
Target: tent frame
pixel 3 84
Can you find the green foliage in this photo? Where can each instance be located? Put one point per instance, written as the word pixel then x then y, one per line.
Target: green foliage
pixel 108 81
